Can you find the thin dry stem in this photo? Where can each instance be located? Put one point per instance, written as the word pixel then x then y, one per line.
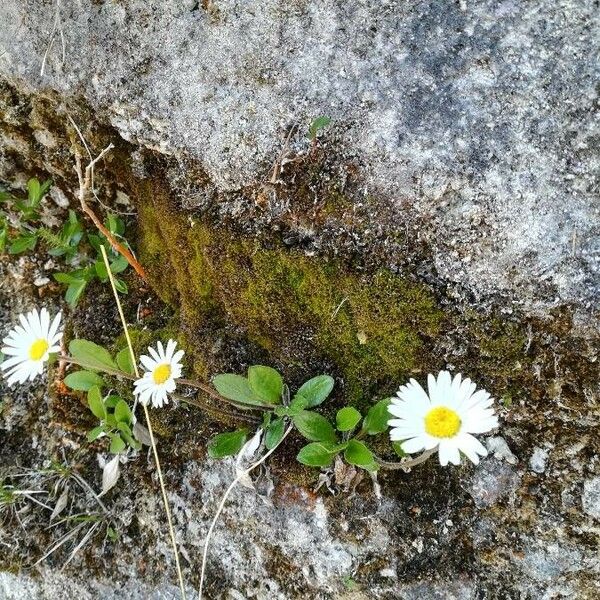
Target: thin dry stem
pixel 407 464
pixel 238 477
pixel 85 186
pixel 149 425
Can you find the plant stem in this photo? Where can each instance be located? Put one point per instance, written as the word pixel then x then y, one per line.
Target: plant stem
pixel 208 390
pixel 149 425
pixel 407 464
pixel 214 410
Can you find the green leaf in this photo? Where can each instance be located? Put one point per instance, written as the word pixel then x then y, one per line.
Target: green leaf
pixel 95 241
pixel 227 444
pixel 236 388
pixel 115 224
pixel 358 454
pixel 121 286
pixel 316 125
pixel 33 189
pixel 66 278
pixel 266 383
pixel 124 363
pixel 397 446
pixel 347 418
pixel 118 265
pixel 116 444
pixel 74 292
pixel 317 454
pixel 316 390
pixel 122 412
pixel 298 404
pixel 111 401
pixel 36 191
pixel 128 437
pixel 94 357
pixel 274 433
pixel 95 433
pixel 23 243
pixel 101 271
pixel 377 418
pixel 314 427
pixel 83 380
pixel 95 401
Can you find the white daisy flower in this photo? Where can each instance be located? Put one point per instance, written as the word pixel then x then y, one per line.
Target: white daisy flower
pixel 162 369
pixel 445 418
pixel 28 346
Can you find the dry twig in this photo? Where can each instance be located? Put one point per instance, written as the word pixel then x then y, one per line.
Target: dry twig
pixel 85 187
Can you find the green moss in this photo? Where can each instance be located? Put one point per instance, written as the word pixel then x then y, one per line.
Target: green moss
pixel 372 328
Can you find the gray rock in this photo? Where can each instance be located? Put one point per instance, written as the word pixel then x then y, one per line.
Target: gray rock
pixel 491 482
pixel 591 497
pixel 476 120
pixel 461 589
pixel 497 446
pixel 538 460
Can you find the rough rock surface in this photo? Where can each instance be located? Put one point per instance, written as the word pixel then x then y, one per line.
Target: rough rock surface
pixel 474 117
pixel 463 129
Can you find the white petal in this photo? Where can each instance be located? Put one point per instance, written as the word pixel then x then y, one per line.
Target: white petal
pixel 477 398
pixel 177 356
pixel 11 362
pixel 45 322
pixel 171 345
pixel 471 447
pixel 55 325
pixel 448 452
pixel 154 354
pixel 147 363
pixel 145 396
pixel 414 445
pixel 481 426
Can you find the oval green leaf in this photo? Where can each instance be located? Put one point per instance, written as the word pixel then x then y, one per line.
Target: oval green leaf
pixel 83 380
pixel 236 388
pixel 317 454
pixel 377 418
pixel 124 363
pixel 316 390
pixel 347 418
pixel 95 433
pixel 116 444
pixel 95 402
pixel 122 412
pixel 94 357
pixel 314 427
pixel 227 444
pixel 274 433
pixel 266 383
pixel 358 454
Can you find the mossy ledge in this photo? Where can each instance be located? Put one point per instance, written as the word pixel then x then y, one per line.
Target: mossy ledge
pixel 370 328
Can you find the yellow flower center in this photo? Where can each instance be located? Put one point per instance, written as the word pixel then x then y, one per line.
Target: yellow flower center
pixel 442 422
pixel 38 349
pixel 161 373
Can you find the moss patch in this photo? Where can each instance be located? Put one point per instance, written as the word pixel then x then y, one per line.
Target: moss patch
pixel 372 329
